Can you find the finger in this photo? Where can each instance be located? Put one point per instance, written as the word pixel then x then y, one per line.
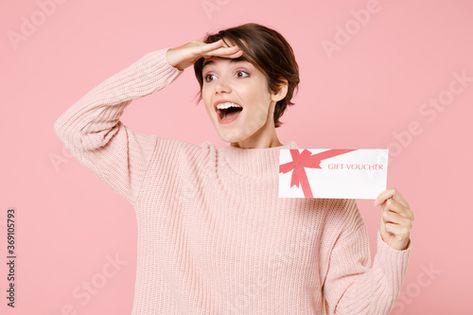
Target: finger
pixel 211 46
pixel 217 43
pixel 226 50
pixel 223 51
pixel 237 54
pixel 383 196
pixel 389 193
pixel 394 206
pixel 382 225
pixel 395 218
pixel 399 231
pixel 401 199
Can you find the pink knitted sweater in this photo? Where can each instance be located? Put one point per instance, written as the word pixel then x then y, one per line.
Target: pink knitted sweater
pixel 213 236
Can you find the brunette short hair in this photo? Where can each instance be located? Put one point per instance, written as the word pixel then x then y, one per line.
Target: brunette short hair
pixel 268 51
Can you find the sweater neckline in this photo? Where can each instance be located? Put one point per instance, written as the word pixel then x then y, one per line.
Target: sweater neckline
pixel 255 162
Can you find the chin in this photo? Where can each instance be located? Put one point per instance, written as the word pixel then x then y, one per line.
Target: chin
pixel 240 131
pixel 230 138
pixel 233 134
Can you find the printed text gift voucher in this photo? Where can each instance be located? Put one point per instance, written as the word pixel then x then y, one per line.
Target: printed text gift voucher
pixel 332 173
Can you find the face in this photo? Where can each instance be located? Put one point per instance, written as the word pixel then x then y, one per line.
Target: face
pixel 242 83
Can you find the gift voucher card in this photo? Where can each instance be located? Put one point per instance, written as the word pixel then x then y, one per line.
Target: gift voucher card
pixel 332 173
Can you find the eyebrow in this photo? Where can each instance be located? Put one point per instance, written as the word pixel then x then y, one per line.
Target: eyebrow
pixel 232 60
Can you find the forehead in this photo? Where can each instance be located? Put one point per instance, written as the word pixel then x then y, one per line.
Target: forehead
pixel 215 60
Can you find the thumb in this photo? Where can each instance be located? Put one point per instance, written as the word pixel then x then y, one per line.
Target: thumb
pixel 382 230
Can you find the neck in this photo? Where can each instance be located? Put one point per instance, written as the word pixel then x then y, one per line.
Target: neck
pixel 258 144
pixel 266 137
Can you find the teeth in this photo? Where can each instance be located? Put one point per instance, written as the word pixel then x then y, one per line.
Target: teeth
pixel 227 105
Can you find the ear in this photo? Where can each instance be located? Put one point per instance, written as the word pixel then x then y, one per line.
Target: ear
pixel 281 93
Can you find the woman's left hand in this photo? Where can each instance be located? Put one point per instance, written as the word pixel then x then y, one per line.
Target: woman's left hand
pixel 396 219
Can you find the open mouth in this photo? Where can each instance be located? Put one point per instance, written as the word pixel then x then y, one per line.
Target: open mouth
pixel 228 112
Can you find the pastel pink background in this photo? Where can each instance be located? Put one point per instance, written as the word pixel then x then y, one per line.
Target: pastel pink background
pixel 365 95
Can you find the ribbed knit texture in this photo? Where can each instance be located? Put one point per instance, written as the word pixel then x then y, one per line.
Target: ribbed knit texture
pixel 213 236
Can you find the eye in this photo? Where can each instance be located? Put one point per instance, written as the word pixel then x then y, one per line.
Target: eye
pixel 238 72
pixel 207 77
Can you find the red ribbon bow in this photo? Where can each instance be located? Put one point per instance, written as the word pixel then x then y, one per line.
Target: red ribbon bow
pixel 306 159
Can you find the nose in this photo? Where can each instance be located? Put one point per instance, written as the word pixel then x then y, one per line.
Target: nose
pixel 222 86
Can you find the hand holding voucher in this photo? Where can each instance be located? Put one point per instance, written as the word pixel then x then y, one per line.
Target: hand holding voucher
pixel 396 219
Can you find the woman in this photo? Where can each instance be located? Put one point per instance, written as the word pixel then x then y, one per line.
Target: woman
pixel 213 237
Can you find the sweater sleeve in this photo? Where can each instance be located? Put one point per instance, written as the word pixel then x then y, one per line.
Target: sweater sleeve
pixel 92 132
pixel 352 285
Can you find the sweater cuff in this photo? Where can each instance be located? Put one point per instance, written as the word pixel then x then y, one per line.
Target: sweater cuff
pixel 392 261
pixel 158 58
pixel 148 74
